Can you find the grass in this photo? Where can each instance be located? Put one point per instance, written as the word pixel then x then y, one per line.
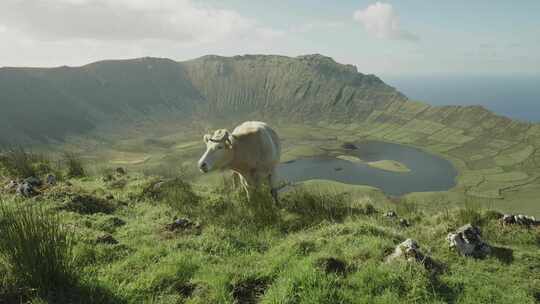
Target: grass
pixel 17 162
pixel 258 252
pixel 37 247
pixel 74 165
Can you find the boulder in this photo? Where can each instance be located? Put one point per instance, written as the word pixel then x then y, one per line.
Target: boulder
pixel 404 223
pixel 51 180
pixel 33 181
pixel 26 189
pixel 11 186
pixel 182 224
pixel 349 146
pixel 468 242
pixel 520 219
pixel 106 239
pixel 391 214
pixel 409 251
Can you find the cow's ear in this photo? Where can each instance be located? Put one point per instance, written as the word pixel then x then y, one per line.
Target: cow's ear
pixel 206 138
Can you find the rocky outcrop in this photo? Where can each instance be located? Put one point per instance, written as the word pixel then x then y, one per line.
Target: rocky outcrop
pixel 409 251
pixel 467 241
pixel 520 219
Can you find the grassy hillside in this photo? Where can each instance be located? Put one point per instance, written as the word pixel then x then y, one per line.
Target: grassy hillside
pixel 153 111
pixel 112 238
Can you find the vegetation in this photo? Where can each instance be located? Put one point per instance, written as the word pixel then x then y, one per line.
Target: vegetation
pixel 37 249
pixel 74 165
pixel 20 163
pixel 317 246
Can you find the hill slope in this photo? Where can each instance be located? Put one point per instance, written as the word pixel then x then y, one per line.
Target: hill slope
pixel 496 156
pixel 50 103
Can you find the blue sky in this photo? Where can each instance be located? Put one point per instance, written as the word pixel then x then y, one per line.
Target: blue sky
pixel 413 37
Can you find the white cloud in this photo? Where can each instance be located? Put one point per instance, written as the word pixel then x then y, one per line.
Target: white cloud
pixel 382 21
pixel 117 20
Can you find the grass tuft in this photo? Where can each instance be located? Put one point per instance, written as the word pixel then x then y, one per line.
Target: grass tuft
pixel 74 165
pixel 37 248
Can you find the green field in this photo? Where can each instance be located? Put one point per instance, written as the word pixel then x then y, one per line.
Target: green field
pixel 508 188
pixel 326 243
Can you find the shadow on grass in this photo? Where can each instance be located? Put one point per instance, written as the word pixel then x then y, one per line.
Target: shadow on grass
pixel 504 255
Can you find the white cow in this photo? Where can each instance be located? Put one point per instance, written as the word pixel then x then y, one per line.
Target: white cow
pixel 252 151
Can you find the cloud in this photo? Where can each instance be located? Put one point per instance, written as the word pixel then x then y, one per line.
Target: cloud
pixel 382 21
pixel 126 20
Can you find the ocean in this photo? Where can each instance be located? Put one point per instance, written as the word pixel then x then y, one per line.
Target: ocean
pixel 516 97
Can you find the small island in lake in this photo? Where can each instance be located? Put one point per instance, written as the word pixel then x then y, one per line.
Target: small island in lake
pixel 388 165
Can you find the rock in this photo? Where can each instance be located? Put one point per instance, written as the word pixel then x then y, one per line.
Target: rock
pixel 404 223
pixel 120 171
pixel 468 242
pixel 391 214
pixel 409 250
pixel 33 181
pixel 106 239
pixel 349 146
pixel 51 180
pixel 11 186
pixel 182 224
pixel 26 189
pixel 520 219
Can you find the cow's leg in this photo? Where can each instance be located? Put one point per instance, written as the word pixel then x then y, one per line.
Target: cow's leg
pixel 236 180
pixel 246 185
pixel 273 184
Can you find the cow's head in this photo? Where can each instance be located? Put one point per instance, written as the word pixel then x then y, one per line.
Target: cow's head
pixel 219 152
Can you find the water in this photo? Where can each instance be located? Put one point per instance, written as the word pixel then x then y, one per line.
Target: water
pixel 428 172
pixel 514 96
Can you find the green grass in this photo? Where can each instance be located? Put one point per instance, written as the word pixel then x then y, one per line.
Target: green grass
pixel 255 251
pixel 37 247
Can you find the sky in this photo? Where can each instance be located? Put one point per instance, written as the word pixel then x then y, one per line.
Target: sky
pixel 412 37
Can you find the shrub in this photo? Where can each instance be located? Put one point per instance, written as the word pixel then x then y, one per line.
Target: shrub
pixel 74 165
pixel 37 247
pixel 19 163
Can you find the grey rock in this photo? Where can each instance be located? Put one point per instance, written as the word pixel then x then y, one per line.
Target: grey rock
pixel 520 219
pixel 106 239
pixel 467 241
pixel 33 181
pixel 51 180
pixel 404 223
pixel 26 189
pixel 182 224
pixel 391 214
pixel 409 251
pixel 11 186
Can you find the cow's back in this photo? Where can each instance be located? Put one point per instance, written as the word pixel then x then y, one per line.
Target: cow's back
pixel 257 146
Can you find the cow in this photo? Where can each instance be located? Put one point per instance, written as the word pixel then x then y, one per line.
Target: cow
pixel 252 151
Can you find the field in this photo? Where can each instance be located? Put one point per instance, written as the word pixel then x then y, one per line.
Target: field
pixel 500 174
pixel 118 240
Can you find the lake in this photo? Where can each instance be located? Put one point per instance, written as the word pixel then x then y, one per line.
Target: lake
pixel 428 172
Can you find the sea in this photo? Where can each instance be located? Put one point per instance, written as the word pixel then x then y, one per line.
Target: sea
pixel 514 96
